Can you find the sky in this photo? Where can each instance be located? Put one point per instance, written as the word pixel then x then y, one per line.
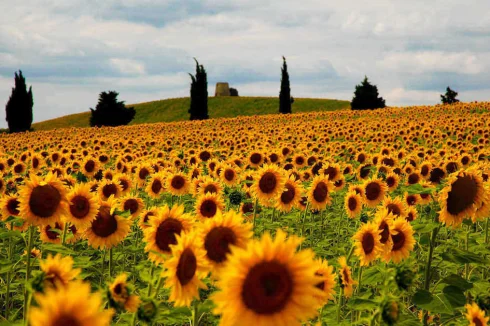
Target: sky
pixel 71 50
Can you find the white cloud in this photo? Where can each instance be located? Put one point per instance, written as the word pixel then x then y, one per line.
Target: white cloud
pixel 128 66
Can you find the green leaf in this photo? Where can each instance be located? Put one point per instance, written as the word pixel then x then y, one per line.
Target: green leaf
pixel 10 234
pixel 426 227
pixel 457 281
pixel 463 257
pixel 362 304
pixel 434 303
pixel 454 295
pixel 422 297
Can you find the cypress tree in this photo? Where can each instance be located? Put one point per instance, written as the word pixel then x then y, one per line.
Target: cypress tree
pixel 285 99
pixel 450 97
pixel 199 94
pixel 366 96
pixel 19 106
pixel 110 112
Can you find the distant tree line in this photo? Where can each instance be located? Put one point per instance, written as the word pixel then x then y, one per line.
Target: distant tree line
pixel 111 112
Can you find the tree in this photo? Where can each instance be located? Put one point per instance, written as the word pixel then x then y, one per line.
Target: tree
pixel 199 94
pixel 19 106
pixel 110 112
pixel 233 91
pixel 366 97
pixel 285 92
pixel 450 97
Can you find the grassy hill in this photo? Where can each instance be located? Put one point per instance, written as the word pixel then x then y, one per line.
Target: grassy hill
pixel 218 107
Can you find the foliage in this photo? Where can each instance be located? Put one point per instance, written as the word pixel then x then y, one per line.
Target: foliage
pixel 111 112
pixel 199 94
pixel 19 106
pixel 366 96
pixel 449 97
pixel 285 99
pixel 233 91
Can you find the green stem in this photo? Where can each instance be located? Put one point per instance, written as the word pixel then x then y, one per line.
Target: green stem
pixel 64 233
pixel 255 213
pixel 110 262
pixel 432 245
pixel 152 271
pixel 7 295
pixel 486 230
pixel 339 306
pixel 28 271
pixel 359 280
pixel 303 223
pixel 135 317
pixel 195 313
pixel 467 266
pixel 159 285
pixel 349 255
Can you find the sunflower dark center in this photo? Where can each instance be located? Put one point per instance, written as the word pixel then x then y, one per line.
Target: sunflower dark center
pixel 143 173
pixel 210 188
pixel 186 269
pixel 90 166
pixel 208 208
pixel 53 235
pixel 44 200
pixel 255 158
pixel 367 243
pixel 118 289
pixel 398 240
pixel 109 189
pixel 268 183
pixel 35 162
pixel 462 195
pixel 18 168
pixel 66 320
pixel 166 233
pixel 247 208
pixel 12 207
pixel 388 161
pixel 385 232
pixel 477 321
pixel 365 170
pixel 352 203
pixel 131 205
pixel 178 182
pixel 273 158
pixel 410 217
pixel 411 200
pixel 331 172
pixel 300 160
pixel 124 184
pixel 320 192
pixel 373 191
pixel 465 160
pixel 104 224
pixel 204 156
pixel 320 285
pixel 267 287
pixel 424 170
pixel 436 175
pixel 80 206
pixel 156 186
pixel 394 209
pixel 288 195
pixel 413 178
pixel 361 158
pixel 147 217
pixel 229 174
pixel 217 243
pixel 451 167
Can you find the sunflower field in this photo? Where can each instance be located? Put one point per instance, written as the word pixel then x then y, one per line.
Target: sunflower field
pixel 328 218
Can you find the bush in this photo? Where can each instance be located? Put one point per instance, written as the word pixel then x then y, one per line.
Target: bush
pixel 199 94
pixel 449 97
pixel 19 106
pixel 110 112
pixel 285 92
pixel 366 97
pixel 233 91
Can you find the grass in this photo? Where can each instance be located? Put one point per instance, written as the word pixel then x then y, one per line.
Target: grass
pixel 218 107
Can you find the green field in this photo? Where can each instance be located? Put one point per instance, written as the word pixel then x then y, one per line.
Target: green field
pixel 218 107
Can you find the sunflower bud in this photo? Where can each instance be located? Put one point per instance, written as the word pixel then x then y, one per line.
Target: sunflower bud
pixel 404 277
pixel 364 217
pixel 390 312
pixel 483 301
pixel 235 197
pixel 148 310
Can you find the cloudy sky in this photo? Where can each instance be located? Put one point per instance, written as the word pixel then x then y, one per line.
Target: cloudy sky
pixel 71 50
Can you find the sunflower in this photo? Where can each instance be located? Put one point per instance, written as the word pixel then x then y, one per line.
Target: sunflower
pixel 89 167
pixel 403 241
pixel 108 188
pixel 42 202
pixel 395 206
pixel 9 205
pixel 142 172
pixel 290 196
pixel 327 283
pixel 156 185
pixel 73 235
pixel 107 229
pixel 462 196
pixel 58 271
pixel 195 171
pixel 19 168
pixel 69 305
pixel 319 192
pixel 125 181
pixel 268 184
pixel 177 184
pixel 163 229
pixel 425 198
pixel 145 216
pixel 383 219
pixel 483 211
pixel 414 178
pixel 209 205
pixel 209 185
pixel 412 214
pixel 367 242
pixel 392 180
pixel 37 162
pixel 84 206
pixel 332 171
pixel 229 176
pixel 268 283
pixel 299 161
pixel 475 315
pixel 353 204
pixel 255 159
pixel 374 192
pixel 185 269
pixel 219 234
pixel 51 234
pixel 121 295
pixel 133 204
pixel 411 199
pixel 345 278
